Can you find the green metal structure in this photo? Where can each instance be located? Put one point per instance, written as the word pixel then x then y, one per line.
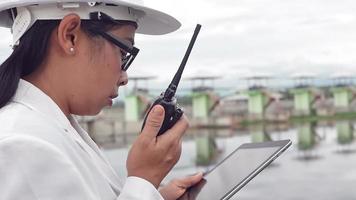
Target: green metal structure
pixel 134 107
pixel 342 97
pixel 345 132
pixel 306 136
pixel 258 133
pixel 135 102
pixel 203 101
pixel 206 149
pixel 303 99
pixel 257 101
pixel 202 104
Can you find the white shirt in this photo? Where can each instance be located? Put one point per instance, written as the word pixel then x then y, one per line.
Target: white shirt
pixel 44 155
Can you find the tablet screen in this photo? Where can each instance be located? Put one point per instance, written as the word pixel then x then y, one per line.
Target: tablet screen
pixel 235 169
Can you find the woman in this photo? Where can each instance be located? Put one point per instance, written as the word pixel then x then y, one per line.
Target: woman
pixel 71 58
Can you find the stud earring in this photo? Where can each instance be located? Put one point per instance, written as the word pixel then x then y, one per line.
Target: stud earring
pixel 71 50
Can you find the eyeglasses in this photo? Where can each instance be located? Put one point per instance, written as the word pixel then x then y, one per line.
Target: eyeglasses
pixel 128 51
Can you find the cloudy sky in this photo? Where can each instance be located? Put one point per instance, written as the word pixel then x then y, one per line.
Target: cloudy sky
pixel 245 37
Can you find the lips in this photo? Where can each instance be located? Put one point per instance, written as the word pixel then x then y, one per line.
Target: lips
pixel 114 96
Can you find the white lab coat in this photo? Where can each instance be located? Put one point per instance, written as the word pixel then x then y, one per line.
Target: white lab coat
pixel 44 155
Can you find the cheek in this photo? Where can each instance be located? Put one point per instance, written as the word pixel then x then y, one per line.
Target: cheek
pixel 106 62
pixel 112 60
pixel 108 72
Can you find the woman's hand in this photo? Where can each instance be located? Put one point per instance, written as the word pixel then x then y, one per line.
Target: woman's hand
pixel 176 188
pixel 152 157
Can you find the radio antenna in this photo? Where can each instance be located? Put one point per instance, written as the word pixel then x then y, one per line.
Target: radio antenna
pixel 171 90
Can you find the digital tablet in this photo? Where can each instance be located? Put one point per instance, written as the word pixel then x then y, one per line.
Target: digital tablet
pixel 236 170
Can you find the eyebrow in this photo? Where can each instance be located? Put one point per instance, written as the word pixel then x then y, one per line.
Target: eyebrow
pixel 130 39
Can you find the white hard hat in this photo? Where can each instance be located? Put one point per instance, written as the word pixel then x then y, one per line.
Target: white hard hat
pixel 150 21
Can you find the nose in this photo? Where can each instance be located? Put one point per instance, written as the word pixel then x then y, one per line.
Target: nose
pixel 123 79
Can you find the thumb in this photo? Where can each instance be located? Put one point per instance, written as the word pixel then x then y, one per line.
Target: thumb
pixel 154 121
pixel 191 180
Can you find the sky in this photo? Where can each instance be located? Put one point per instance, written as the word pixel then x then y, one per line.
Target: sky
pixel 240 38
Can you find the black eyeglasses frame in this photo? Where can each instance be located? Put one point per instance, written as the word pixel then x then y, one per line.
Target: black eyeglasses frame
pixel 124 45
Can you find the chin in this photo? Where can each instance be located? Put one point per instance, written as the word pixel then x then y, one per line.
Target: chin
pixel 94 112
pixel 91 112
pixel 91 107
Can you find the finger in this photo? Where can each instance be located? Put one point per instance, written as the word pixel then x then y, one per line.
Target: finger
pixel 197 188
pixel 178 130
pixel 190 180
pixel 154 121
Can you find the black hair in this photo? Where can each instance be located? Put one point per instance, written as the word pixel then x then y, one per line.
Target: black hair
pixel 33 49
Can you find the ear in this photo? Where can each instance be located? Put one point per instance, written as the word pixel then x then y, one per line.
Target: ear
pixel 68 33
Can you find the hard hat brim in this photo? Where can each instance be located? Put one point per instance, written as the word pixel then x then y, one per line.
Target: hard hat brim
pixel 153 23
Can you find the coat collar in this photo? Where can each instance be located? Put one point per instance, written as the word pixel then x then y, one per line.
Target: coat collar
pixel 32 97
pixel 37 100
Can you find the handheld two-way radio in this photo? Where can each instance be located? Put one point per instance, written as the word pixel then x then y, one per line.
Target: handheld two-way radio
pixel 167 99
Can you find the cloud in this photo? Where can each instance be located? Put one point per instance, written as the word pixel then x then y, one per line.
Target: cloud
pixel 239 37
